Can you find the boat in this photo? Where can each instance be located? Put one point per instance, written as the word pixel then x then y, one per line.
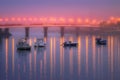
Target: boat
pixel 70 44
pixel 23 45
pixel 100 41
pixel 40 43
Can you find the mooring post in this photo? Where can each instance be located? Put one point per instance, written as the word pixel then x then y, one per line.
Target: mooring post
pixel 62 31
pixel 26 32
pixel 45 31
pixel 77 31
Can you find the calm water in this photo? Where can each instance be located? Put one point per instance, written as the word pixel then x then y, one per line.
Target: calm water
pixel 85 62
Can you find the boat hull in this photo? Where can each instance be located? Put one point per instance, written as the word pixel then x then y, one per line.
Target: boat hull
pixel 21 48
pixel 39 46
pixel 71 45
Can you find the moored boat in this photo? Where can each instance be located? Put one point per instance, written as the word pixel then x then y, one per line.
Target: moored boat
pixel 40 43
pixel 100 41
pixel 23 45
pixel 70 44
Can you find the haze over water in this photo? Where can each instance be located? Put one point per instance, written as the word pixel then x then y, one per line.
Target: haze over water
pixel 88 61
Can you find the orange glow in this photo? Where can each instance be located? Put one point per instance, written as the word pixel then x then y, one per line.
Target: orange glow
pixel 79 20
pixel 18 19
pixel 108 22
pixel 71 20
pixel 24 19
pixel 6 55
pixel 87 20
pixel 112 18
pixel 52 19
pixel 35 19
pixel 118 19
pixel 13 43
pixel 6 19
pixel 43 19
pixel 62 19
pixel 13 19
pixel 30 19
pixel 87 43
pixel 1 19
pixel 94 21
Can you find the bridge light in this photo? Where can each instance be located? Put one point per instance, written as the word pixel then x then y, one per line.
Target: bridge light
pixel 24 19
pixel 18 19
pixel 112 18
pixel 87 21
pixel 1 19
pixel 35 19
pixel 13 19
pixel 94 21
pixel 30 19
pixel 6 19
pixel 40 19
pixel 52 19
pixel 61 19
pixel 71 20
pixel 118 19
pixel 79 20
pixel 108 22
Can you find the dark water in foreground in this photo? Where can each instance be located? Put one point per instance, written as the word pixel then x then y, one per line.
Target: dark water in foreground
pixel 85 62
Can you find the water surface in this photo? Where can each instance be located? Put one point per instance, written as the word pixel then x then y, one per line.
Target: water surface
pixel 88 61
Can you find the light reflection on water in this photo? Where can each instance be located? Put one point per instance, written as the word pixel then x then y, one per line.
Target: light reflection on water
pixel 85 62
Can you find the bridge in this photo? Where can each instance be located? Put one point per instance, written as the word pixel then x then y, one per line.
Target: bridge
pixel 5 27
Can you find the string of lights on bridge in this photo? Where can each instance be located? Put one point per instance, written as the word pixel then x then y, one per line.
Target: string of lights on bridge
pixel 60 20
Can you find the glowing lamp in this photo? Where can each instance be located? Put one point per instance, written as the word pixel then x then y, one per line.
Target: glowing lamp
pixel 30 19
pixel 71 20
pixel 1 19
pixel 62 19
pixel 118 19
pixel 79 20
pixel 52 19
pixel 87 21
pixel 13 19
pixel 112 18
pixel 6 19
pixel 18 19
pixel 35 19
pixel 24 19
pixel 94 21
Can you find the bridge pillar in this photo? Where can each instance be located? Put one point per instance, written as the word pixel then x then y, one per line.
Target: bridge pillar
pixel 45 32
pixel 7 32
pixel 27 32
pixel 1 32
pixel 62 31
pixel 77 31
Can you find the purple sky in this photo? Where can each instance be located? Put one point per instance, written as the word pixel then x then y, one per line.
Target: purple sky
pixel 60 8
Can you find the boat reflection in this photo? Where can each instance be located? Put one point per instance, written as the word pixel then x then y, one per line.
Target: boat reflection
pixel 23 53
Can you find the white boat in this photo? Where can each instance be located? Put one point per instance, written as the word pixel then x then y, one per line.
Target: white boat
pixel 23 45
pixel 40 43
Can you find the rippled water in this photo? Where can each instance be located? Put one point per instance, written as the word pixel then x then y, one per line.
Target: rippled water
pixel 88 61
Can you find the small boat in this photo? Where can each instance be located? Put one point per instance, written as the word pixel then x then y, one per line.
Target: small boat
pixel 100 41
pixel 40 43
pixel 23 45
pixel 70 44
